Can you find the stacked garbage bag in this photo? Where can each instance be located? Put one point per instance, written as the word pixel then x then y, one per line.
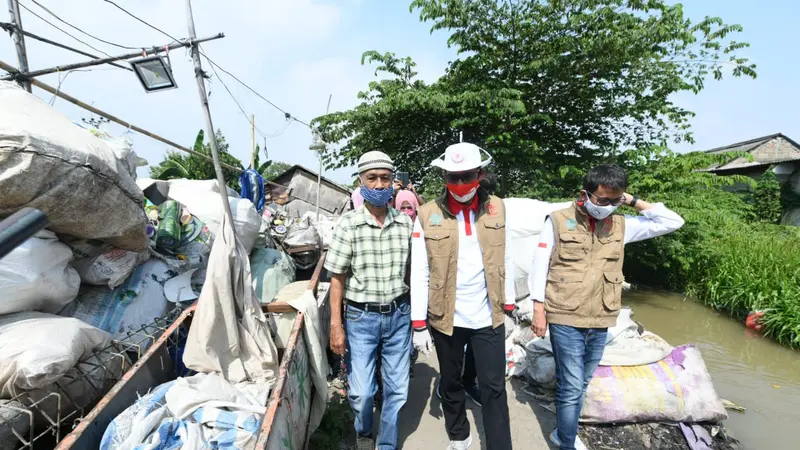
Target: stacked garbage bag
pixel 83 299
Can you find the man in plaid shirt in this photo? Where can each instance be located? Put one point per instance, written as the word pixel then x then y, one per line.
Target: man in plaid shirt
pixel 369 257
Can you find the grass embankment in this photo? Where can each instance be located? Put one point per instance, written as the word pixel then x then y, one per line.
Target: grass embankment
pixel 726 259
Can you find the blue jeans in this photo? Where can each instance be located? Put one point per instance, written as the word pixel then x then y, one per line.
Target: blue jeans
pixel 366 331
pixel 577 353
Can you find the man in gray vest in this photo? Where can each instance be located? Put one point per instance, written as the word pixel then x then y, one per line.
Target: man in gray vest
pixel 576 282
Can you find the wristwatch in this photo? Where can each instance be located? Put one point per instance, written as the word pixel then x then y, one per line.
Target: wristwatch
pixel 634 199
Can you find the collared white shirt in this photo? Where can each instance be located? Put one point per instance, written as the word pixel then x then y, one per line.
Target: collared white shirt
pixel 473 309
pixel 654 222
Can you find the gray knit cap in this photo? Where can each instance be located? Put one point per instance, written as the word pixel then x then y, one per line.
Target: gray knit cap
pixel 374 160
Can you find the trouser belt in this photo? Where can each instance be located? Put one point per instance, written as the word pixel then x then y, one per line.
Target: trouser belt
pixel 381 308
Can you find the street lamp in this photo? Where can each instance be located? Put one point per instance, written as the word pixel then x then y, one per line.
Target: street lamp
pixel 154 72
pixel 317 145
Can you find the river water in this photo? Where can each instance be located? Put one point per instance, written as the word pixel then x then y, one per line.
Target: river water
pixel 748 370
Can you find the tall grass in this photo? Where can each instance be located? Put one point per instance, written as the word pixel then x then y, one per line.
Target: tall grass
pixel 751 268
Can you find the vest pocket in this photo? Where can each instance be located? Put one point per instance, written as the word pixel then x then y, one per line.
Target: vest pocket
pixel 571 246
pixel 612 290
pixel 563 290
pixel 495 231
pixel 436 297
pixel 437 242
pixel 612 247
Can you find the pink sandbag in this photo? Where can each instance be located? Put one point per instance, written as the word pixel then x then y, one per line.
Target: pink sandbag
pixel 675 389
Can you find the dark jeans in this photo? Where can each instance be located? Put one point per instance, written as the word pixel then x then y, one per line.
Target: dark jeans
pixel 488 345
pixel 577 353
pixel 470 375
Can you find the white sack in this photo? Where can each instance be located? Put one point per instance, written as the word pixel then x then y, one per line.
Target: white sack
pixel 110 269
pixel 36 276
pixel 202 199
pixel 524 221
pixel 123 311
pixel 229 333
pixel 37 349
pixel 51 164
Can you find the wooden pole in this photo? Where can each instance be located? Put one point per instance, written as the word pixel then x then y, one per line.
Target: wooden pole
pixel 212 137
pixel 253 141
pixel 25 75
pixel 19 40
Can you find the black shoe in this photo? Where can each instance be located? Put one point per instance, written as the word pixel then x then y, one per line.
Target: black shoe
pixel 365 443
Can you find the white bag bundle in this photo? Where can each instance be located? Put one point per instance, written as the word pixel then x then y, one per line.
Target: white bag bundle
pixel 38 348
pixel 49 163
pixel 36 276
pixel 202 199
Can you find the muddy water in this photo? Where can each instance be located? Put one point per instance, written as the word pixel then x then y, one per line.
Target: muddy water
pixel 748 370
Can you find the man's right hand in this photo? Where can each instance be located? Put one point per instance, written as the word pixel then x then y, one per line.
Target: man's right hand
pixel 422 341
pixel 539 323
pixel 337 339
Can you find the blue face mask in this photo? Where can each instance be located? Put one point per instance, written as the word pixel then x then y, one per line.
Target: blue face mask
pixel 377 197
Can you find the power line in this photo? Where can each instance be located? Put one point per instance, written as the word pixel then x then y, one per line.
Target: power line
pixel 286 114
pixel 61 30
pixel 78 29
pixel 233 97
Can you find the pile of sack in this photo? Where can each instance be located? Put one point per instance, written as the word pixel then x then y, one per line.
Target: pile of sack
pixel 111 263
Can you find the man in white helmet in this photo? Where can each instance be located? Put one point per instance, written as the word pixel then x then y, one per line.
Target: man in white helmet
pixel 368 257
pixel 461 289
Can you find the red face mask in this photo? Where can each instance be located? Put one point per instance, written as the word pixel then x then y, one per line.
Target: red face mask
pixel 463 192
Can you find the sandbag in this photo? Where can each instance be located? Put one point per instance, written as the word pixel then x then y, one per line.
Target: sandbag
pixel 675 389
pixel 111 267
pixel 51 164
pixel 36 276
pixel 524 221
pixel 123 311
pixel 271 271
pixel 37 349
pixel 202 199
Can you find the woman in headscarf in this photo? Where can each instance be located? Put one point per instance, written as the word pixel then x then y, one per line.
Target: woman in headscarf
pixel 407 202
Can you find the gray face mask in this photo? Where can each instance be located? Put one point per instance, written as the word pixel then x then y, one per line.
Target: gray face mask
pixel 598 212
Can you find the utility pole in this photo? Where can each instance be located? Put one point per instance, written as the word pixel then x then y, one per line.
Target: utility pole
pixel 201 88
pixel 19 41
pixel 253 141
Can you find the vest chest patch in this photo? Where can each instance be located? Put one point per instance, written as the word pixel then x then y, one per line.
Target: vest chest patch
pixel 571 224
pixel 436 219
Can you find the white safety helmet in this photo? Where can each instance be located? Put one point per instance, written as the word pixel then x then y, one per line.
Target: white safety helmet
pixel 462 157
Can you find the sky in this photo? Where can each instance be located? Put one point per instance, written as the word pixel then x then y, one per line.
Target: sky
pixel 297 53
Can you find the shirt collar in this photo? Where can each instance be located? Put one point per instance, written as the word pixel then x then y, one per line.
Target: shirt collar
pixel 455 207
pixel 367 218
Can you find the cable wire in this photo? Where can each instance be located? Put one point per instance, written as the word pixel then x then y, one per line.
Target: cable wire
pixel 233 97
pixel 61 30
pixel 211 61
pixel 84 32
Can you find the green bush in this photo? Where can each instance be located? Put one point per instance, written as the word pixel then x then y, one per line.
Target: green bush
pixel 750 269
pixel 768 198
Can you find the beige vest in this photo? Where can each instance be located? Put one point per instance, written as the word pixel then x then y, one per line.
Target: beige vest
pixel 584 283
pixel 441 242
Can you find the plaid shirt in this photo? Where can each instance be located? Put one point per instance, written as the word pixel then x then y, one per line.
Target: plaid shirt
pixel 375 259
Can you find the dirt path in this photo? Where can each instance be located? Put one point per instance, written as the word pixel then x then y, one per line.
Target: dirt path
pixel 422 422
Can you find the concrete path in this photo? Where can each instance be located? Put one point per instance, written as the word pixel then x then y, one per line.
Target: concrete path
pixel 422 422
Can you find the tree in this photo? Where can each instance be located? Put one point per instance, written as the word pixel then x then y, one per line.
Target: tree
pixel 275 169
pixel 179 165
pixel 767 198
pixel 551 87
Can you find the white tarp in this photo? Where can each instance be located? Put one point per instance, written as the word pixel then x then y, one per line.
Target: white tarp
pixel 51 164
pixel 229 333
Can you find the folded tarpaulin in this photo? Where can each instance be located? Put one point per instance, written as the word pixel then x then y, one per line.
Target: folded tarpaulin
pixel 229 333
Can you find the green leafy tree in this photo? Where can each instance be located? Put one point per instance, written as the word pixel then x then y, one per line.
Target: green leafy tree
pixel 767 198
pixel 275 169
pixel 550 87
pixel 179 165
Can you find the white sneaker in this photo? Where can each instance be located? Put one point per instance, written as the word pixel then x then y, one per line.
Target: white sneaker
pixel 578 443
pixel 460 445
